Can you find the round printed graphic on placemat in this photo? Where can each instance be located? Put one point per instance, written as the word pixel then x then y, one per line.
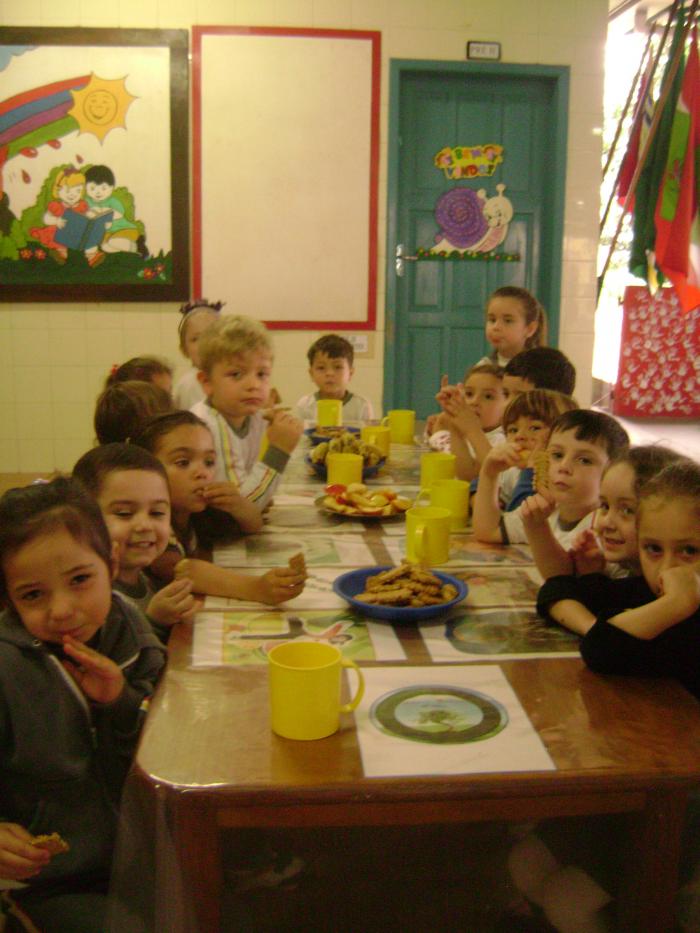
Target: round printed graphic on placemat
pixel 438 714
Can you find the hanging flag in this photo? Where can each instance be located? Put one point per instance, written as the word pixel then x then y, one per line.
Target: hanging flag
pixel 676 215
pixel 644 229
pixel 643 113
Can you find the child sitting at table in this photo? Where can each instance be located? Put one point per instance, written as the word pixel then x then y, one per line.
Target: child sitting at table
pixel 472 415
pixel 580 445
pixel 130 486
pixel 195 317
pixel 236 364
pixel 539 368
pixel 144 369
pixel 123 407
pixel 78 664
pixel 646 625
pixel 610 546
pixel 184 445
pixel 506 477
pixel 331 359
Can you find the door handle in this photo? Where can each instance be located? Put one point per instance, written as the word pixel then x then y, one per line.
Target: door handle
pixel 402 258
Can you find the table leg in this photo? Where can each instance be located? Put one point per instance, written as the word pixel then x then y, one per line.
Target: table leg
pixel 647 902
pixel 198 846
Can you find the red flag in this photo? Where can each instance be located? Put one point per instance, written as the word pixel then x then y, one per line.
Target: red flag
pixel 677 224
pixel 638 138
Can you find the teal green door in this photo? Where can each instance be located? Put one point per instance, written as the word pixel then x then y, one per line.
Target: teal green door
pixel 435 309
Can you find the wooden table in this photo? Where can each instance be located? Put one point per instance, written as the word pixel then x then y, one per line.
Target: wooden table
pixel 208 760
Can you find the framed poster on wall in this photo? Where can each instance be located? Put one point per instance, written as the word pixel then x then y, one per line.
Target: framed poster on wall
pixel 93 165
pixel 286 144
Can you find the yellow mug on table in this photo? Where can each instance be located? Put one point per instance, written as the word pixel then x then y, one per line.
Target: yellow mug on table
pixel 402 424
pixel 379 435
pixel 428 535
pixel 451 494
pixel 436 465
pixel 343 468
pixel 329 412
pixel 305 689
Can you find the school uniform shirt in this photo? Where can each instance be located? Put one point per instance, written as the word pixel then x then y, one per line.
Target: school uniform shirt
pixel 64 758
pixel 513 529
pixel 238 454
pixel 355 408
pixel 608 649
pixel 188 390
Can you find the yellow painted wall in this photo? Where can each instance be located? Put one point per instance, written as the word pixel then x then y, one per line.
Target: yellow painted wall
pixel 54 358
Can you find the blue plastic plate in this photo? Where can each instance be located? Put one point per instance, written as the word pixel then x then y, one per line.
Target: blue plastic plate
pixel 320 468
pixel 348 585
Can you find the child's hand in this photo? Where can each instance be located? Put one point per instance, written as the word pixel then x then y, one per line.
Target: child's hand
pixel 449 395
pixel 536 509
pixel 284 431
pixel 463 420
pixel 97 676
pixel 501 457
pixel 586 554
pixel 682 585
pixel 19 859
pixel 174 603
pixel 223 495
pixel 283 583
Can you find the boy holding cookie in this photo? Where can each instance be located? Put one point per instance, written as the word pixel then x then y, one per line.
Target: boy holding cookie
pixel 580 445
pixel 507 475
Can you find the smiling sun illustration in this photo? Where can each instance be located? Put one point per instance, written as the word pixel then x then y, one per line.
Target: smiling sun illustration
pixel 101 106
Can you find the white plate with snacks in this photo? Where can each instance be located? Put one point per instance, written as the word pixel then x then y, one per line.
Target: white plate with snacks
pixel 358 501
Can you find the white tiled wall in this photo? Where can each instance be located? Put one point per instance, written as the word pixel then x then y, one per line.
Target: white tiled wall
pixel 54 358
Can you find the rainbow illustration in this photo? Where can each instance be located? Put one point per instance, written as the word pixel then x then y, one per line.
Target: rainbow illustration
pixel 38 116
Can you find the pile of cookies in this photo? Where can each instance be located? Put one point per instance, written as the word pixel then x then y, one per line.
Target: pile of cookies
pixel 406 585
pixel 347 443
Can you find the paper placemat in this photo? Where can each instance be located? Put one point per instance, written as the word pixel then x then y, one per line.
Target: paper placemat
pixel 444 720
pixel 275 550
pixel 244 638
pixel 496 634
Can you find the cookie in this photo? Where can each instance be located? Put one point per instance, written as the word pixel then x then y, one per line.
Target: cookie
pixel 52 842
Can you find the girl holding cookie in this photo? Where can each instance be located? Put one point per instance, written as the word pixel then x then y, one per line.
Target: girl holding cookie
pixel 78 664
pixel 184 445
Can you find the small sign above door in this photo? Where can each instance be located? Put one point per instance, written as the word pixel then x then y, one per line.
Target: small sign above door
pixel 491 51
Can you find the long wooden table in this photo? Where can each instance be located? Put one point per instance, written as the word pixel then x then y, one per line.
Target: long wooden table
pixel 209 761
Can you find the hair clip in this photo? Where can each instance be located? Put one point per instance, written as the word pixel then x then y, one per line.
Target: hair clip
pixel 201 303
pixel 115 369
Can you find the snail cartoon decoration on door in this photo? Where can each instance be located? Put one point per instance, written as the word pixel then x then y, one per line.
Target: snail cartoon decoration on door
pixel 471 225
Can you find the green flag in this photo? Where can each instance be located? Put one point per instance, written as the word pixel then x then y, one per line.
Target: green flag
pixel 643 225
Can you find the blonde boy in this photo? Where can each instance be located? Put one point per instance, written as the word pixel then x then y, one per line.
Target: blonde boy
pixel 235 372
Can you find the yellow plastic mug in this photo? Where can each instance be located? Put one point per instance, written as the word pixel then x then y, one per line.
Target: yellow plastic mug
pixel 305 689
pixel 377 434
pixel 343 468
pixel 428 535
pixel 329 412
pixel 402 425
pixel 436 465
pixel 450 494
